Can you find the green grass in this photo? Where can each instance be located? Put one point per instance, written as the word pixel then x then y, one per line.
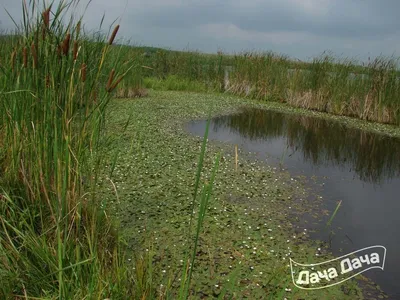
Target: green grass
pixel 174 83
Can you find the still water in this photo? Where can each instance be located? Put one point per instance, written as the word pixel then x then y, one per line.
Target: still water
pixel 360 168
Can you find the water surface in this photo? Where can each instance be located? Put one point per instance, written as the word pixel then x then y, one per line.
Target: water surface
pixel 360 168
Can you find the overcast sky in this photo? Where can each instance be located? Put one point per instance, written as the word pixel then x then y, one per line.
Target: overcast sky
pixel 298 28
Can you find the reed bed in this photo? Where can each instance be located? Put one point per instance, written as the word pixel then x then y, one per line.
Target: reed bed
pixel 341 86
pixel 56 82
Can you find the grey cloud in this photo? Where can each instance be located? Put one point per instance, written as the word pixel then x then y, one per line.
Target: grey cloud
pixel 343 18
pixel 349 27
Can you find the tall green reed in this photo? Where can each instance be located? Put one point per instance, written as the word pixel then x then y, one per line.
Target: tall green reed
pixel 201 201
pixel 55 85
pixel 341 86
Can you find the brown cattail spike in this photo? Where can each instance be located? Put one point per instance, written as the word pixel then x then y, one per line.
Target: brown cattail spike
pixel 78 29
pixel 83 72
pixel 113 35
pixel 75 51
pixel 116 83
pixel 25 57
pixel 46 22
pixel 65 45
pixel 110 80
pixel 46 18
pixel 34 55
pixel 12 60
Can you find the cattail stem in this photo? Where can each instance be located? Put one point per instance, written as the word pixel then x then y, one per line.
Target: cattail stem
pixel 59 47
pixel 113 35
pixel 43 32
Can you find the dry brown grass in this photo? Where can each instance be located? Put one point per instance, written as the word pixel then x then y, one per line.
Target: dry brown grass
pixel 131 93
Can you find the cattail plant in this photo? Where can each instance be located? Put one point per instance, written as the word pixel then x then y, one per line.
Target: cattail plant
pixel 115 84
pixel 110 80
pixel 12 60
pixel 34 55
pixel 46 18
pixel 113 35
pixel 75 50
pixel 46 22
pixel 78 29
pixel 57 241
pixel 25 57
pixel 83 72
pixel 65 44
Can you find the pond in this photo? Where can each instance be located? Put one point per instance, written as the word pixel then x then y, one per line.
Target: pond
pixel 360 168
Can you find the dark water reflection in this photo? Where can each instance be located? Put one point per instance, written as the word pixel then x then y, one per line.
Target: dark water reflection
pixel 360 168
pixel 374 158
